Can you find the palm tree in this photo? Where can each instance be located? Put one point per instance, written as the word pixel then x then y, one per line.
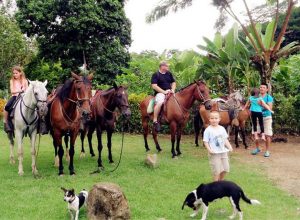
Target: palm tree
pixel 267 50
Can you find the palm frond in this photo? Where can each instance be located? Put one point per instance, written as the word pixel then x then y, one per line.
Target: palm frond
pixel 166 6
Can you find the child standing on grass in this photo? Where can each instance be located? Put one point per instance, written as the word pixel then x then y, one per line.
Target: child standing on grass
pixel 215 140
pixel 256 107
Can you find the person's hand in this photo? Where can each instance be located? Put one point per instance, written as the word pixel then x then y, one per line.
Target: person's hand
pixel 172 91
pixel 210 151
pixel 166 92
pixel 272 112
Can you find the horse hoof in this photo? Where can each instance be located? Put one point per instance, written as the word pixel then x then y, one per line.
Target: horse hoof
pixel 174 157
pixel 61 173
pixel 21 173
pixel 111 161
pixel 92 155
pixel 12 161
pixel 147 149
pixel 72 173
pixel 159 150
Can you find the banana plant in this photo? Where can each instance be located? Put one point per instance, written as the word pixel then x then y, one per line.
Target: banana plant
pixel 226 65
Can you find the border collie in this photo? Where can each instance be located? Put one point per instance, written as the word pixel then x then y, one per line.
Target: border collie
pixel 74 201
pixel 207 193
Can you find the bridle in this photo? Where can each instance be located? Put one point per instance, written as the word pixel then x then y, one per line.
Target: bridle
pixel 201 95
pixel 44 102
pixel 111 111
pixel 79 101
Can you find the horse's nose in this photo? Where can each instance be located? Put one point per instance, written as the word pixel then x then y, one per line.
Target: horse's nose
pixel 127 113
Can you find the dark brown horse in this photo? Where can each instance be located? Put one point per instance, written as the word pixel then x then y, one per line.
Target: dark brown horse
pixel 103 116
pixel 70 104
pixel 175 112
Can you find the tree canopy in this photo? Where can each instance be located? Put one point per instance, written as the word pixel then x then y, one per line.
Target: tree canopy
pixel 74 30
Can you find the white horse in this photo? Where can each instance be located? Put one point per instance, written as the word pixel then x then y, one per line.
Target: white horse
pixel 31 105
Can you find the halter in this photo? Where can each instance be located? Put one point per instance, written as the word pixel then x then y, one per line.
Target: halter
pixel 79 101
pixel 32 109
pixel 201 95
pixel 110 110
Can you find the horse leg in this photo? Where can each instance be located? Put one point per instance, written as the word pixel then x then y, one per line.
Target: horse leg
pixel 179 130
pixel 154 134
pixel 236 141
pixel 197 125
pixel 57 136
pixel 66 139
pixel 82 136
pixel 90 136
pixel 72 152
pixel 244 137
pixel 109 134
pixel 33 153
pixel 11 146
pixel 19 137
pixel 56 159
pixel 173 127
pixel 100 146
pixel 146 132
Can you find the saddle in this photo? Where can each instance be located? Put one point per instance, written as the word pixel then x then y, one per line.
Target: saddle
pixel 151 106
pixel 231 106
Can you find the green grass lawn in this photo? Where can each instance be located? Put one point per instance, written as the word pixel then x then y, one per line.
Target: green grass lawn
pixel 152 193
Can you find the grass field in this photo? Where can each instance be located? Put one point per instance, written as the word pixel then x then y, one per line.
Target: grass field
pixel 152 193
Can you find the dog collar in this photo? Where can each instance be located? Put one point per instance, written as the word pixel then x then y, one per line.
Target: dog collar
pixel 72 200
pixel 195 193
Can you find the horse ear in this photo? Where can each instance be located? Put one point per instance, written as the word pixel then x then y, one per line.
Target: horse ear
pixel 75 76
pixel 90 76
pixel 45 83
pixel 115 85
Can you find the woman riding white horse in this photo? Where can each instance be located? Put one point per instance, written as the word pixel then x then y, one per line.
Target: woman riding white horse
pixel 31 105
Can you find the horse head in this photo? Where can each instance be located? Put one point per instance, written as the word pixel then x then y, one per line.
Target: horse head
pixel 40 93
pixel 121 100
pixel 82 93
pixel 202 93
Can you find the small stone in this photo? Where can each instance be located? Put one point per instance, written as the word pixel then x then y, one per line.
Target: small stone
pixel 151 160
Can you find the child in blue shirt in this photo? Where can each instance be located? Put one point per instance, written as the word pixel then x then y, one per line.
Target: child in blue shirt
pixel 256 103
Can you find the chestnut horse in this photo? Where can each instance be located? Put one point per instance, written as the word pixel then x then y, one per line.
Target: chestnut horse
pixel 203 121
pixel 71 103
pixel 175 112
pixel 103 118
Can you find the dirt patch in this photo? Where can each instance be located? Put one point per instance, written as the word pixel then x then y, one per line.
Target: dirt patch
pixel 283 167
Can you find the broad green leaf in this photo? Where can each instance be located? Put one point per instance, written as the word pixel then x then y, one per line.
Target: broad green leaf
pixel 268 35
pixel 218 40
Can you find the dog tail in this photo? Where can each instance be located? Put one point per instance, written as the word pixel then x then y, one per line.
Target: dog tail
pixel 250 201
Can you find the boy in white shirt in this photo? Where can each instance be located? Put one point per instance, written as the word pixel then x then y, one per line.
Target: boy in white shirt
pixel 215 140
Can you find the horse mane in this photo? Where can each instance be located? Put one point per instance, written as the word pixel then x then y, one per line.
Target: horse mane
pixel 65 90
pixel 190 85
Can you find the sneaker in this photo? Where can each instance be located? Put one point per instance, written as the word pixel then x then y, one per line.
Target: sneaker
pixel 255 151
pixel 156 126
pixel 267 154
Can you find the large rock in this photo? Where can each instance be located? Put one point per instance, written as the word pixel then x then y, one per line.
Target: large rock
pixel 106 201
pixel 151 160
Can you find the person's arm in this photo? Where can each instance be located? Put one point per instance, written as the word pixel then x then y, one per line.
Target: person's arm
pixel 173 86
pixel 208 147
pixel 158 89
pixel 247 104
pixel 25 85
pixel 268 107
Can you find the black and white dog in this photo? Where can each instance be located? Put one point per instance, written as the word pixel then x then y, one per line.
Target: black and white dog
pixel 207 193
pixel 75 201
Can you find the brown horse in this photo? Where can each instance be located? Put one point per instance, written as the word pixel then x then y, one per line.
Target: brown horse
pixel 175 112
pixel 70 104
pixel 103 118
pixel 225 121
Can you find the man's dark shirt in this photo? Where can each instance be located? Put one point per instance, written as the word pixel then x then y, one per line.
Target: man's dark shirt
pixel 164 81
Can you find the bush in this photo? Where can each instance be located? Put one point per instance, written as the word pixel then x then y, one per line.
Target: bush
pixel 2 104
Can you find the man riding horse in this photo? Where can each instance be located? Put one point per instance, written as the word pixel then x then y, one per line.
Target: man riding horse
pixel 163 83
